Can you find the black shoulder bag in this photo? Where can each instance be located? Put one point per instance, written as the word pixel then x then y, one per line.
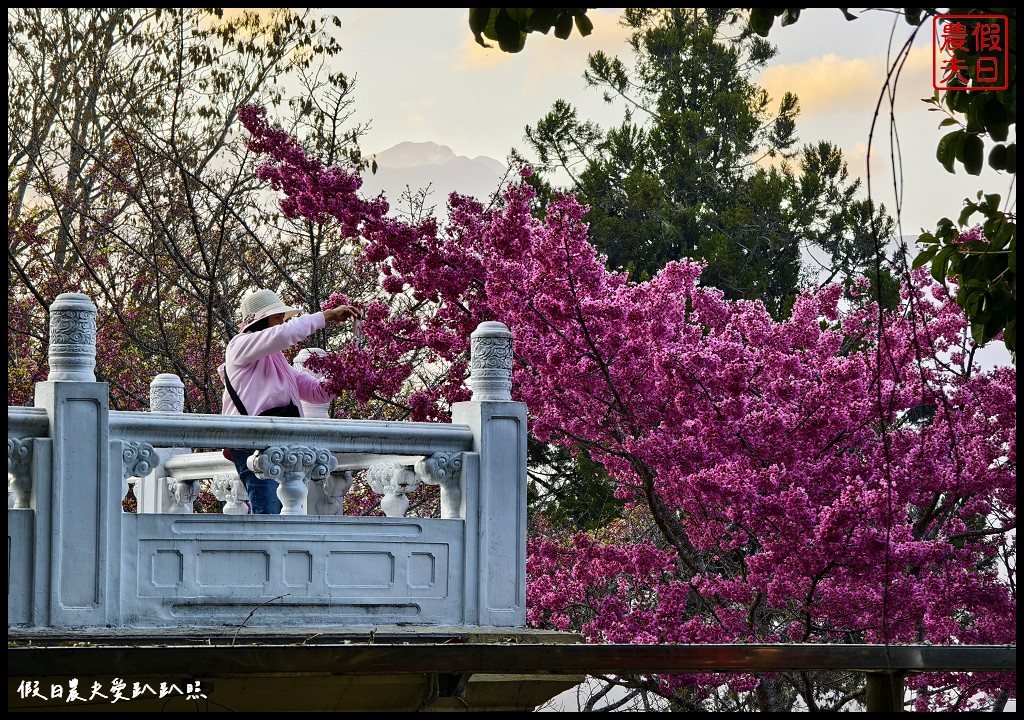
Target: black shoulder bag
pixel 289 410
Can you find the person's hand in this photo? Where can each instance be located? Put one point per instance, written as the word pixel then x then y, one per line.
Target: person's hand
pixel 341 313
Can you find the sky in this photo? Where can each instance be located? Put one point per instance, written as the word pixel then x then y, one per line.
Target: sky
pixel 421 77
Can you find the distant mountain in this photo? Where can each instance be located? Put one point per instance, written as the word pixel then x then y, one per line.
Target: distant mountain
pixel 423 165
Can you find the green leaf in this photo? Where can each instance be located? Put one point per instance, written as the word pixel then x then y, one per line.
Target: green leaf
pixel 970 269
pixel 999 233
pixel 974 283
pixel 957 100
pixel 995 118
pixel 973 303
pixel 542 20
pixel 940 265
pixel 583 24
pixel 510 38
pixel 997 157
pixel 924 256
pixel 994 325
pixel 563 26
pixel 761 21
pixel 947 149
pixel 478 19
pixel 973 154
pixel 992 201
pixel 978 333
pixel 976 113
pixel 993 265
pixel 967 212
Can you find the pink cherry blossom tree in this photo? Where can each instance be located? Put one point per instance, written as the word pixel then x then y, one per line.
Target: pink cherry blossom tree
pixel 844 476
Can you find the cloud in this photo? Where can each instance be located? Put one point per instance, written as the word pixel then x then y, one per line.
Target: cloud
pixel 857 159
pixel 831 84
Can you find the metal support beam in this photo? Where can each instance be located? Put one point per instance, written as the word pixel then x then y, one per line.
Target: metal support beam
pixel 458 658
pixel 884 692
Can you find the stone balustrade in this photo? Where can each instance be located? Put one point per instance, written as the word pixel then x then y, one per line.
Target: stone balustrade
pixel 177 476
pixel 78 560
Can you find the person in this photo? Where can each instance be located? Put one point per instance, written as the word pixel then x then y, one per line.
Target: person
pixel 262 380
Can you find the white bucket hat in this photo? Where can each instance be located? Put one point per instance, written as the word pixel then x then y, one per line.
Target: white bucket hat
pixel 259 304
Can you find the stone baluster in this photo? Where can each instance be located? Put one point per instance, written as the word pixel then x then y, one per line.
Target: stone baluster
pixel 153 493
pixel 317 502
pixel 138 459
pixel 229 488
pixel 311 410
pixel 19 480
pixel 392 481
pixel 293 466
pixel 318 498
pixel 327 497
pixel 336 487
pixel 444 469
pixel 183 494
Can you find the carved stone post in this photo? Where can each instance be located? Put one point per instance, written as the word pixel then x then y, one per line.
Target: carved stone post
pixel 72 352
pixel 490 365
pixel 80 531
pixel 496 551
pixel 167 394
pixel 292 467
pixel 310 410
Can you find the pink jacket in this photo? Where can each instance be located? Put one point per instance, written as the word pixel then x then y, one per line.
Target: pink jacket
pixel 260 373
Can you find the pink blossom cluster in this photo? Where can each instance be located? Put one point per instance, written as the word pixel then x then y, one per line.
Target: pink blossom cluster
pixel 311 191
pixel 795 494
pixel 975 234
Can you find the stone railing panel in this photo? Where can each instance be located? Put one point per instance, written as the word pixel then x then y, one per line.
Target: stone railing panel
pixel 78 561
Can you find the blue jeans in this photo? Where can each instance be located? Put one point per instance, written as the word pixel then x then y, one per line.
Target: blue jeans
pixel 262 493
